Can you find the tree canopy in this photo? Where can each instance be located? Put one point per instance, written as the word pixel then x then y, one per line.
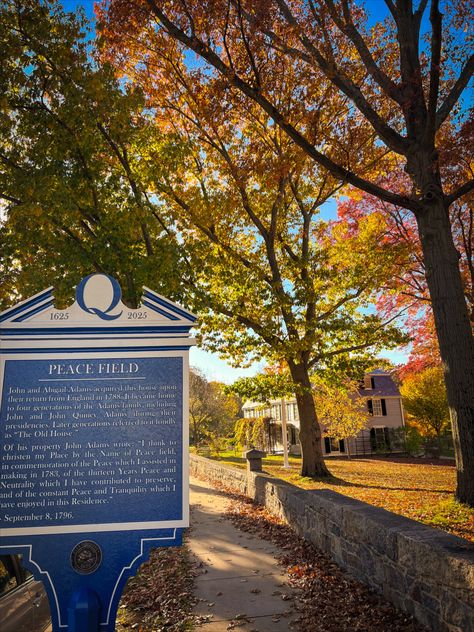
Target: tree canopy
pixel 424 399
pixel 203 176
pixel 402 86
pixel 212 411
pixel 272 280
pixel 70 135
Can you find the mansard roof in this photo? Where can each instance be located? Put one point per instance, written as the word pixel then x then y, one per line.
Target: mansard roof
pixel 384 386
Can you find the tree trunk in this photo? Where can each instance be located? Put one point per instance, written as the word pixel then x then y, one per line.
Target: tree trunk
pixel 453 331
pixel 195 433
pixel 439 442
pixel 312 462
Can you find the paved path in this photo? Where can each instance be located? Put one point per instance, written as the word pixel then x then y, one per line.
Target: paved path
pixel 241 582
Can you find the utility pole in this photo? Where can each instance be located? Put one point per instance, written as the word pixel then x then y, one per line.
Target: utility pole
pixel 284 434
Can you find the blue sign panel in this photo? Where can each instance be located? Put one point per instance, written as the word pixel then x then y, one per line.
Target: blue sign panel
pixel 82 435
pixel 93 456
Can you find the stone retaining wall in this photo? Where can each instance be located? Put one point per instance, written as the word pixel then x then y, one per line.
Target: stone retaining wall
pixel 424 571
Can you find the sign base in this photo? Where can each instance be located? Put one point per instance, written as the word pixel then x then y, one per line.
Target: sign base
pixel 85 578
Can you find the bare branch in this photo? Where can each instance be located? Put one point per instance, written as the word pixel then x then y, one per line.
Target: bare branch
pixel 436 39
pixel 465 188
pixel 456 91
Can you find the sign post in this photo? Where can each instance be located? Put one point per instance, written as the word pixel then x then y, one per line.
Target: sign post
pixel 94 442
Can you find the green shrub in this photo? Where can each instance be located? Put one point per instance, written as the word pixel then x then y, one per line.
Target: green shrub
pixel 414 442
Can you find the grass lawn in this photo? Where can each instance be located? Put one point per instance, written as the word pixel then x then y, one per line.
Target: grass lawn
pixel 419 490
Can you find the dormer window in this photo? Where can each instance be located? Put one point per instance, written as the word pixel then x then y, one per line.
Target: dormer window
pixel 368 381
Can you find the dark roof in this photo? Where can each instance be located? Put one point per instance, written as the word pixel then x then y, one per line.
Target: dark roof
pixel 384 386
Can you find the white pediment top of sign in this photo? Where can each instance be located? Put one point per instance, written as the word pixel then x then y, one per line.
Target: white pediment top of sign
pixel 98 303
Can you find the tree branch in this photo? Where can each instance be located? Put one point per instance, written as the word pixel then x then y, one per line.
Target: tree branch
pixel 456 91
pixel 337 170
pixel 349 29
pixel 391 138
pixel 10 198
pixel 465 188
pixel 435 70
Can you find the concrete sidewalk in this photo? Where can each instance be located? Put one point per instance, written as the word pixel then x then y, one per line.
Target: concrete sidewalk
pixel 240 583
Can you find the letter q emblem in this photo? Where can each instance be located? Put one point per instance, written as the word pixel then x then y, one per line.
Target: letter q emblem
pixel 99 294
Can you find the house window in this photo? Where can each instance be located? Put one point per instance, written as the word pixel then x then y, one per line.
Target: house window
pixel 380 439
pixel 278 434
pixel 275 411
pixel 333 445
pixel 293 435
pixel 377 407
pixel 367 382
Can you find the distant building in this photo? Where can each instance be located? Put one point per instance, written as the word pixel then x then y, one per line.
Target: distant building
pixel 384 418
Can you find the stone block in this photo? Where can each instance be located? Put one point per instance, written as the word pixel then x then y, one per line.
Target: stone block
pixel 254 460
pixel 335 529
pixel 430 602
pixel 428 553
pixel 457 612
pixel 394 576
pixel 336 549
pixel 430 619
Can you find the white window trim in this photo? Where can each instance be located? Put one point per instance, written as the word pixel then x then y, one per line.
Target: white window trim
pixel 378 401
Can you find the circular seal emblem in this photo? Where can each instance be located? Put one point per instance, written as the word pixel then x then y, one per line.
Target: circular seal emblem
pixel 86 557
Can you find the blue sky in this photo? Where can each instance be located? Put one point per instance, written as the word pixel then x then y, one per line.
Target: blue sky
pixel 211 365
pixel 377 8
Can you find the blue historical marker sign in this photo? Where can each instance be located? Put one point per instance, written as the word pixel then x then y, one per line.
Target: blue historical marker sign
pixel 94 435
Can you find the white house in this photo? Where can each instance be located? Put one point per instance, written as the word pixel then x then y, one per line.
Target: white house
pixel 384 417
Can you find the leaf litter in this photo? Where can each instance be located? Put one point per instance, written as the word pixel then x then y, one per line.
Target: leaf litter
pixel 160 596
pixel 327 599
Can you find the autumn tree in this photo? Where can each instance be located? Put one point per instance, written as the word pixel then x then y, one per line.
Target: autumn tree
pixel 272 281
pixel 212 411
pixel 424 399
pixel 69 137
pixel 263 387
pixel 254 432
pixel 342 413
pixel 406 293
pixel 400 81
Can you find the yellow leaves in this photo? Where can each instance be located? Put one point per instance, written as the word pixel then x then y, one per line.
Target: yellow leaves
pixel 4 105
pixel 339 411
